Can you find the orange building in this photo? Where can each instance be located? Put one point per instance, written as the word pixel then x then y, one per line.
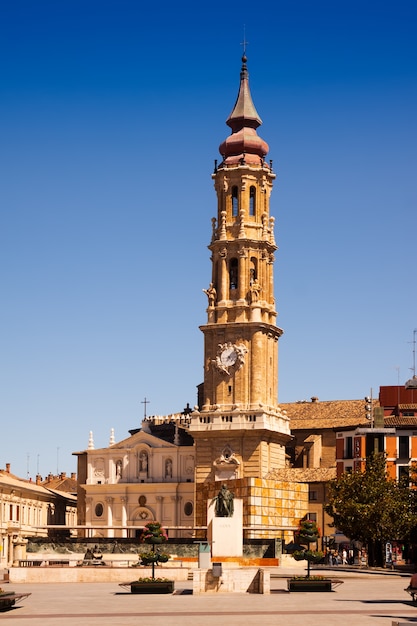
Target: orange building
pixel 392 429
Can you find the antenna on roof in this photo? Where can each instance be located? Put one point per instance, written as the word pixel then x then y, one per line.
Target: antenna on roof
pixel 412 383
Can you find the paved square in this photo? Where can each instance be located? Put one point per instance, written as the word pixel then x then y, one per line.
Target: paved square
pixel 362 600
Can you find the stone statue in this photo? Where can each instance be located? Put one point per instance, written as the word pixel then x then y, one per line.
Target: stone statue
pixel 143 462
pixel 211 294
pixel 224 505
pixel 255 291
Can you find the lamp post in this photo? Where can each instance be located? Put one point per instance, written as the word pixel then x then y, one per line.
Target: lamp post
pixel 369 411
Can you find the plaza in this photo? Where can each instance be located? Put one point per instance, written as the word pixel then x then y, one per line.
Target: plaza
pixel 365 598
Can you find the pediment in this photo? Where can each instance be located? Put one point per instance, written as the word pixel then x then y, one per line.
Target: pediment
pixel 142 439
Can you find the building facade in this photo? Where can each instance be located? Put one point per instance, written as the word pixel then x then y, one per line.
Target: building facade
pixel 148 476
pixel 26 510
pixel 392 430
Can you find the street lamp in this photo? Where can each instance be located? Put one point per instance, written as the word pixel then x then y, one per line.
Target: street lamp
pixel 369 408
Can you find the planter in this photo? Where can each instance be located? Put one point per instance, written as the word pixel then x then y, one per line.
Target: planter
pixel 155 586
pixel 310 585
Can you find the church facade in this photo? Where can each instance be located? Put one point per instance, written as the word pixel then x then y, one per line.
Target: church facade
pixel 237 433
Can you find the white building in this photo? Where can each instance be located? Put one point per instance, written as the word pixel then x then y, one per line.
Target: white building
pixel 148 476
pixel 26 508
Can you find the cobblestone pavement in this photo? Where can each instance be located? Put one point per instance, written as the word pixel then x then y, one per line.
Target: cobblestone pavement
pixel 376 599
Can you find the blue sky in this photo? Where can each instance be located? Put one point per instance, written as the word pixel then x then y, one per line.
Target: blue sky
pixel 111 114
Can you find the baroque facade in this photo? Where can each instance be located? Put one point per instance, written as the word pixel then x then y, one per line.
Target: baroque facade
pixel 148 476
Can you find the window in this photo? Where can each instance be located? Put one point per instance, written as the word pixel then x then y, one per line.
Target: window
pixel 252 201
pixel 235 202
pixel 349 448
pixel 99 510
pixel 312 495
pixel 312 517
pixel 403 447
pixel 403 472
pixel 233 274
pixel 188 508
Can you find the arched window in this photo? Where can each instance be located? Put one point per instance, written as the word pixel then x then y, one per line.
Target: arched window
pixel 252 201
pixel 233 274
pixel 235 203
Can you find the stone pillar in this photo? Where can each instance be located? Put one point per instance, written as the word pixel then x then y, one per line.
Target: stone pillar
pixel 123 500
pixel 177 503
pixel 160 500
pixel 110 531
pixel 88 516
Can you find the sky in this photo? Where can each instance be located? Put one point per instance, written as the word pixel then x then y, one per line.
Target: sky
pixel 111 114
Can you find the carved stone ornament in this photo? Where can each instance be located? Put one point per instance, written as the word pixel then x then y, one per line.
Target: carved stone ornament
pixel 226 466
pixel 230 357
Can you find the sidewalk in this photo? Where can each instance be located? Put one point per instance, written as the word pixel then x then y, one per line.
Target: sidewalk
pixel 365 598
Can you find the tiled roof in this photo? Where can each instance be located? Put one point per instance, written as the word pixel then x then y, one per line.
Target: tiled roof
pixel 395 421
pixel 301 475
pixel 66 484
pixel 326 414
pixel 12 481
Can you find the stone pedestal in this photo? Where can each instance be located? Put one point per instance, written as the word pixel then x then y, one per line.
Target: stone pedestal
pixel 225 534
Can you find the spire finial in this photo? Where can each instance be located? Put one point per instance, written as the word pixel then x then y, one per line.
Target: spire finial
pixel 244 43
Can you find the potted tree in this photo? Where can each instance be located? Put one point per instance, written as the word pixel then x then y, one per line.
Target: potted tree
pixel 154 535
pixel 308 533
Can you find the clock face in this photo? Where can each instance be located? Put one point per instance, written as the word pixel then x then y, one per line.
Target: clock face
pixel 228 356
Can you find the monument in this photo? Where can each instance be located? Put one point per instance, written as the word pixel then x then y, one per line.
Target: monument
pixel 225 524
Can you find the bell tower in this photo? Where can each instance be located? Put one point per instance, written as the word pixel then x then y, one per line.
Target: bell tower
pixel 239 429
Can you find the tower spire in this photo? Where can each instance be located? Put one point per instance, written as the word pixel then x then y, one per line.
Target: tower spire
pixel 243 143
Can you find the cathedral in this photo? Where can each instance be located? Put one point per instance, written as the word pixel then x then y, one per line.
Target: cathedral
pixel 237 433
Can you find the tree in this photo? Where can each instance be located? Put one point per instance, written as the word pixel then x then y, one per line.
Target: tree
pixel 372 508
pixel 308 533
pixel 153 534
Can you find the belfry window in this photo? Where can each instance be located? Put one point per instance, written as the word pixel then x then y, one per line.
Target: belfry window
pixel 235 202
pixel 233 274
pixel 252 200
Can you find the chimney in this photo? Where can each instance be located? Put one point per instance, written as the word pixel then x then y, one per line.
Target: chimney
pixel 38 479
pixel 63 475
pixel 8 468
pixel 73 476
pixel 314 399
